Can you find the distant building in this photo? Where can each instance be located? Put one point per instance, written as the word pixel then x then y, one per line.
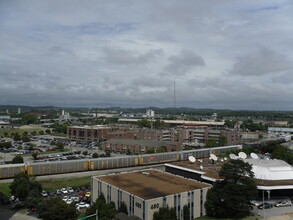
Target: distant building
pixel 200 134
pixel 138 146
pixel 145 192
pixel 279 131
pixel 150 113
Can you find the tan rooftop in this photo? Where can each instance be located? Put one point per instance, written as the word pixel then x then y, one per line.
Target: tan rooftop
pixel 152 185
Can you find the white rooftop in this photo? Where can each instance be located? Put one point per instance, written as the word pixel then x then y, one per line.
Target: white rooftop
pixel 271 169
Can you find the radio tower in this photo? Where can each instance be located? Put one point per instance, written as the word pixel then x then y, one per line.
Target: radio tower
pixel 174 95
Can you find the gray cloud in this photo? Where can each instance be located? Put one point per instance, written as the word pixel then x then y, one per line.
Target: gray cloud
pixel 127 57
pixel 181 63
pixel 235 54
pixel 263 61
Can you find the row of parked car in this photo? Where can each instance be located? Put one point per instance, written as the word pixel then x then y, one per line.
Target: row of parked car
pixel 267 205
pixel 81 196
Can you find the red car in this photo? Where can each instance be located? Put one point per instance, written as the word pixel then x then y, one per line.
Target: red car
pixel 81 194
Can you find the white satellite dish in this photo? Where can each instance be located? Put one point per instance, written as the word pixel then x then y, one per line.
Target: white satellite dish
pixel 242 155
pixel 191 159
pixel 222 160
pixel 233 156
pixel 254 156
pixel 201 167
pixel 225 158
pixel 213 157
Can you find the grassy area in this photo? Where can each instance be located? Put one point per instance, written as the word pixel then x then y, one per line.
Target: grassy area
pixel 52 184
pixel 4 187
pixel 246 218
pixel 59 134
pixel 19 131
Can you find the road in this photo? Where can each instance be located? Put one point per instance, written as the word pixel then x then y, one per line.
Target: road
pixel 9 214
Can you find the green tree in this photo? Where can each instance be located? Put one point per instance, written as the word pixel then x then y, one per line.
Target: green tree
pixel 150 151
pixel 23 185
pixel 29 119
pixel 186 212
pixel 85 153
pixel 17 159
pixel 48 131
pixel 56 209
pixel 5 145
pixel 108 154
pixel 41 132
pixel 35 155
pixel 25 138
pixel 162 149
pixel 60 145
pixel 95 155
pixel 223 140
pixel 106 211
pixel 16 137
pixel 123 208
pixel 211 142
pixel 230 198
pixel 5 134
pixel 165 214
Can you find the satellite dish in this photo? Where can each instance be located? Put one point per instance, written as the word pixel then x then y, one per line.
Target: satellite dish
pixel 222 160
pixel 242 155
pixel 201 167
pixel 225 158
pixel 191 159
pixel 213 157
pixel 233 156
pixel 254 156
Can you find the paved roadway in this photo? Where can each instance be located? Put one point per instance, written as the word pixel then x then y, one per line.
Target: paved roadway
pixel 9 214
pixel 275 211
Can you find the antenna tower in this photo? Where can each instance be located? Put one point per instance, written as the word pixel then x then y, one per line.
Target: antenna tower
pixel 174 95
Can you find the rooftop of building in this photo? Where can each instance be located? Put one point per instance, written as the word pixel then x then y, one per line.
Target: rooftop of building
pixel 143 143
pixel 151 184
pixel 267 172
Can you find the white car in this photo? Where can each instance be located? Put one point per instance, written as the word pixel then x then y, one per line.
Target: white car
pixel 64 191
pixel 44 194
pixel 65 198
pixel 75 199
pixel 82 205
pixel 69 201
pixel 69 189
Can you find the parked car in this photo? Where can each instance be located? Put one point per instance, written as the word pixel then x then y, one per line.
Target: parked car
pixel 51 193
pixel 82 205
pixel 44 194
pixel 265 206
pixel 69 189
pixel 282 204
pixel 64 191
pixel 69 201
pixel 65 198
pixel 88 194
pixel 81 194
pixel 58 192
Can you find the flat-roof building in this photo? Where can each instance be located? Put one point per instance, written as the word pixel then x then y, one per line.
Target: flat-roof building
pixel 144 192
pixel 138 146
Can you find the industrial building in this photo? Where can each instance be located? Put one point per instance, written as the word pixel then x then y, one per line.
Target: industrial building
pixel 144 192
pixel 138 146
pixel 272 176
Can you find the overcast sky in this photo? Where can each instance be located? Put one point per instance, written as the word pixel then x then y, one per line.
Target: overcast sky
pixel 222 54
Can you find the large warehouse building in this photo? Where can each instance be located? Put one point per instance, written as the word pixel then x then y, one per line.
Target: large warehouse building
pixel 145 192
